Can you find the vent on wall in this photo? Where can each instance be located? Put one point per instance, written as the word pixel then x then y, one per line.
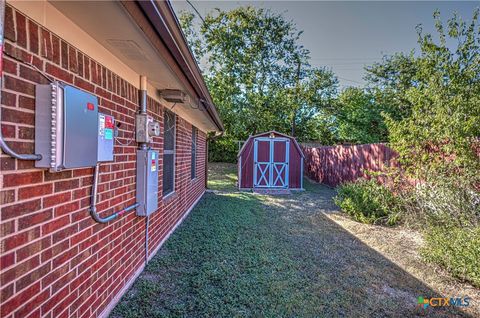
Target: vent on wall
pixel 130 49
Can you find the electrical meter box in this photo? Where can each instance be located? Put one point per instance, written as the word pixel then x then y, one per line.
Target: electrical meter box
pixel 106 127
pixel 147 181
pixel 67 133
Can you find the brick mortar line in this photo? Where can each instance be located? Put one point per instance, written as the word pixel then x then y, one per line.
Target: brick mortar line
pixel 19 109
pixel 178 204
pixel 51 234
pixel 107 310
pixel 94 85
pixel 99 71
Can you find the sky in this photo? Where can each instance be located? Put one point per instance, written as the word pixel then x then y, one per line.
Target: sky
pixel 347 35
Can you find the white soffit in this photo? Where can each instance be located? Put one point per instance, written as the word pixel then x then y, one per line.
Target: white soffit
pixel 109 24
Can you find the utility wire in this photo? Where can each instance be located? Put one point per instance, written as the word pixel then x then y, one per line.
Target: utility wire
pixel 50 79
pixel 122 143
pixel 198 13
pixel 349 63
pixel 345 58
pixel 349 80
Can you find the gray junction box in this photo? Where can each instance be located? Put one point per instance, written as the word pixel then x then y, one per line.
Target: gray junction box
pixel 147 181
pixel 66 127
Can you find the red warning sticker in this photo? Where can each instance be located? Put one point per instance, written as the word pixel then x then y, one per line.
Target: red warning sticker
pixel 109 122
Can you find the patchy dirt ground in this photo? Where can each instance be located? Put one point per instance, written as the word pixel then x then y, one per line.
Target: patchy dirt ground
pixel 249 255
pixel 389 254
pixel 401 246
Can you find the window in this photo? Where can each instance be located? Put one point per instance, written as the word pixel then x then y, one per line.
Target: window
pixel 194 153
pixel 168 152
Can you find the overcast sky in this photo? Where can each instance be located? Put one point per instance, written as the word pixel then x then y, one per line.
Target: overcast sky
pixel 346 35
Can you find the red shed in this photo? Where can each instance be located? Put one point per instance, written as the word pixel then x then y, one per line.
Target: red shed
pixel 270 160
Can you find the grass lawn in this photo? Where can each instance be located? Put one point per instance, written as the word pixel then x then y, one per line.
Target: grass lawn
pixel 240 254
pixel 222 177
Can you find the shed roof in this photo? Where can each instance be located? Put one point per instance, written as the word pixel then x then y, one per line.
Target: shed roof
pixel 268 133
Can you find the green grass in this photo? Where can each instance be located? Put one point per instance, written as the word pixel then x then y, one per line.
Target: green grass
pixel 226 260
pixel 222 176
pixel 244 255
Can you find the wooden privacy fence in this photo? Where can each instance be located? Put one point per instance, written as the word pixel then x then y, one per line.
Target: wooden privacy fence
pixel 333 165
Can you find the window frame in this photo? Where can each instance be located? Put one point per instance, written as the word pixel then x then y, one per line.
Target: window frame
pixel 193 153
pixel 169 152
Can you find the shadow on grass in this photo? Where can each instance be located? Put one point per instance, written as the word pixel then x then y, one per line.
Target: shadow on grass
pixel 347 277
pixel 222 176
pixel 237 255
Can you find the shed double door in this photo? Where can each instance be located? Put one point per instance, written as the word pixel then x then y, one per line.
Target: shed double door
pixel 271 161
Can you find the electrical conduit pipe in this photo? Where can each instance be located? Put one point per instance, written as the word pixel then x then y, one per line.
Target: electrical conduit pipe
pixel 93 209
pixel 113 216
pixel 143 110
pixel 6 149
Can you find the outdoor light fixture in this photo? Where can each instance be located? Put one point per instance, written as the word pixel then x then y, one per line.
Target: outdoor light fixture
pixel 173 95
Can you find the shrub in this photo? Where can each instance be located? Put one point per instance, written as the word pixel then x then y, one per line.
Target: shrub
pixel 456 249
pixel 447 207
pixel 367 201
pixel 223 149
pixel 442 200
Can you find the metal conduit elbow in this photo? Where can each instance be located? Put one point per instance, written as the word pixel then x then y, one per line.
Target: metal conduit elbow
pixel 6 149
pixel 93 209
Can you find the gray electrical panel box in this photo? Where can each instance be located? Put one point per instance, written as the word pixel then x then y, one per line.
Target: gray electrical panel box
pixel 66 127
pixel 80 128
pixel 147 181
pixel 106 127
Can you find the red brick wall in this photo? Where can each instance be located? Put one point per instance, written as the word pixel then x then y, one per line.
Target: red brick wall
pixel 55 260
pixel 333 165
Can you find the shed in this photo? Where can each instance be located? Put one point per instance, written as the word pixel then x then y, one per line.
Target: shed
pixel 270 160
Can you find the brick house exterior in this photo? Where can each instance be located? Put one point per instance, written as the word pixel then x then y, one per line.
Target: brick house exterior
pixel 56 261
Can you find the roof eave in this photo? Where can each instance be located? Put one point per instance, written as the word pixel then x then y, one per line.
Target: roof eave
pixel 163 19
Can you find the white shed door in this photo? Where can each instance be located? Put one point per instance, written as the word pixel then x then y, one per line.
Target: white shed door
pixel 271 160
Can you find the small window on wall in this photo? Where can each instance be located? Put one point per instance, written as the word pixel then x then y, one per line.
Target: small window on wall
pixel 168 152
pixel 194 153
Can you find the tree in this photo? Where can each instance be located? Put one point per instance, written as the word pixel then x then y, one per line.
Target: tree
pixel 257 72
pixel 314 92
pixel 389 80
pixel 358 117
pixel 442 89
